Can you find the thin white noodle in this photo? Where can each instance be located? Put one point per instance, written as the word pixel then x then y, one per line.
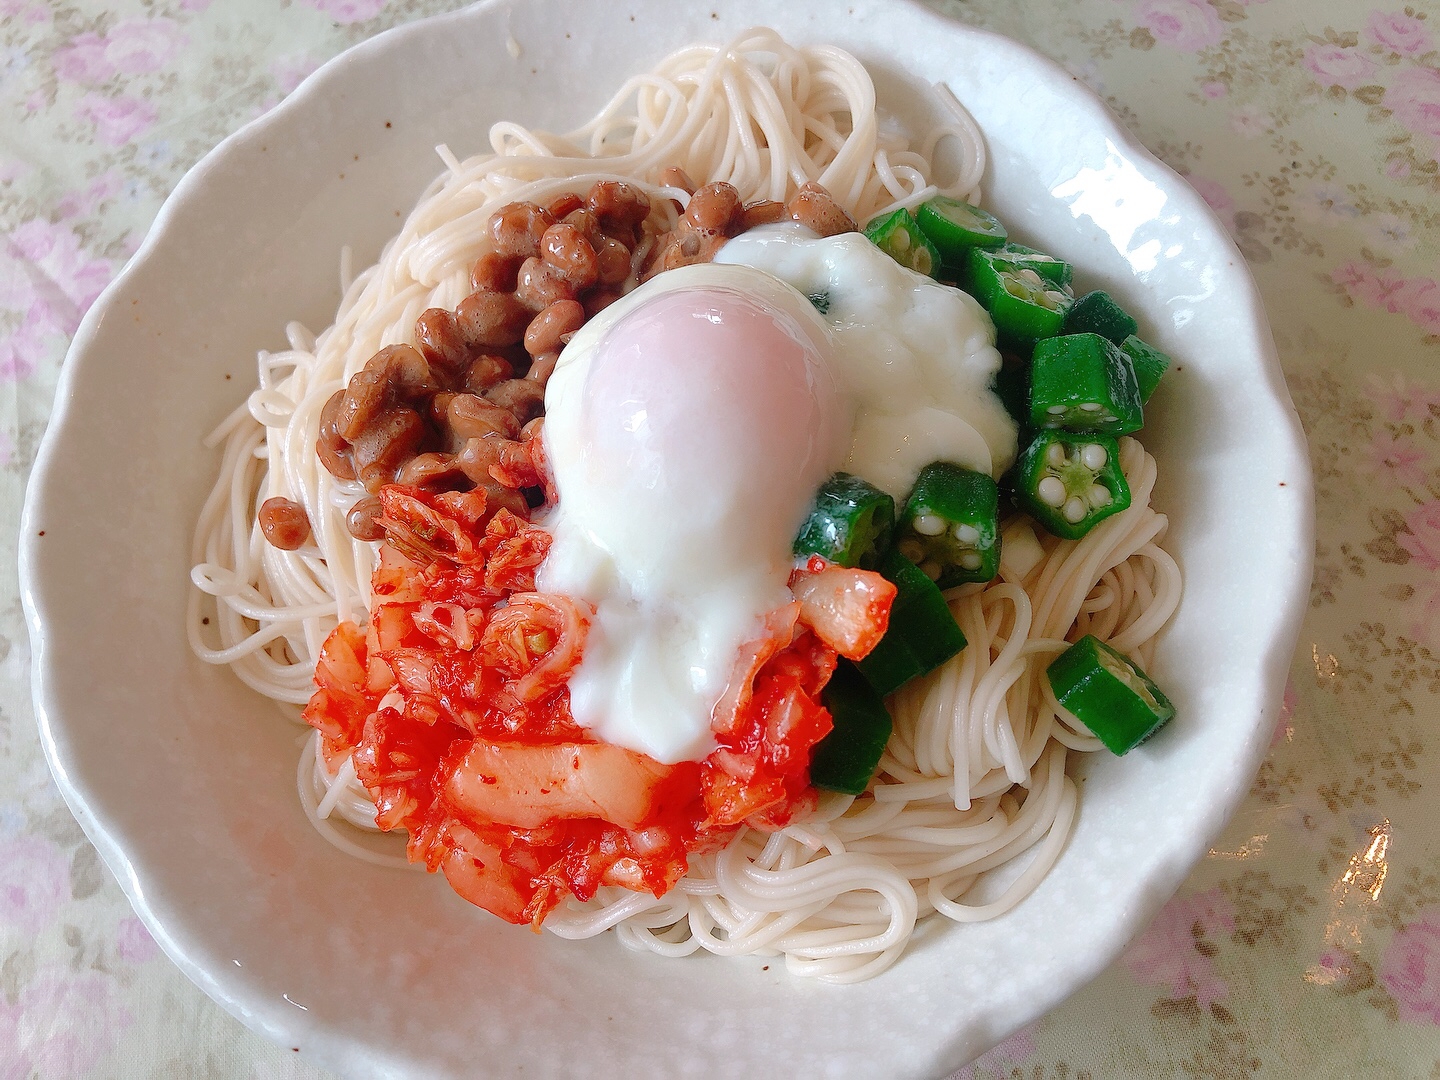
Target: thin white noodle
pixel 907 849
pixel 307 771
pixel 337 786
pixel 974 775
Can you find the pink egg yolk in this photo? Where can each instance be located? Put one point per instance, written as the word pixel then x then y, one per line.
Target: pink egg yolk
pixel 712 416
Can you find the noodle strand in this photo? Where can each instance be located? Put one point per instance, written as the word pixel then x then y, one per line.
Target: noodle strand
pixel 974 775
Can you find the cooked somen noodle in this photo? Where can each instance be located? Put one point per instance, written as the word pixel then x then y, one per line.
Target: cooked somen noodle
pixel 974 775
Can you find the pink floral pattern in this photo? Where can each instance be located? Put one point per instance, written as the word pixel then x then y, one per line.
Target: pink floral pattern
pixel 1398 31
pixel 1420 301
pixel 1214 193
pixel 1410 969
pixel 1187 25
pixel 29 1046
pixel 1395 461
pixel 1401 400
pixel 1422 538
pixel 117 120
pixel 34 881
pixel 346 12
pixel 290 71
pixel 1285 719
pixel 83 61
pixel 1335 66
pixel 1167 953
pixel 57 256
pixel 1423 609
pixel 1312 127
pixel 1414 97
pixel 1251 122
pixel 1000 1060
pixel 49 281
pixel 1417 298
pixel 133 47
pixel 134 943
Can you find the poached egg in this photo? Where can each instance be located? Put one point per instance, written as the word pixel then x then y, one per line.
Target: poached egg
pixel 688 426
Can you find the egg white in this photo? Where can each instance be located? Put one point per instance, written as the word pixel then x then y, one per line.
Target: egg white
pixel 687 426
pixel 680 491
pixel 917 358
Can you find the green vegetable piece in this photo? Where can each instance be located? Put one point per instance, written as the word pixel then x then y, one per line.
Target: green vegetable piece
pixel 951 525
pixel 1012 386
pixel 1098 313
pixel 1070 482
pixel 850 523
pixel 922 633
pixel 846 759
pixel 1020 257
pixel 1024 307
pixel 1148 362
pixel 900 237
pixel 1083 383
pixel 1107 693
pixel 954 227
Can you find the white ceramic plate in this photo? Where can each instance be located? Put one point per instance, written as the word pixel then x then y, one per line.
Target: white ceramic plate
pixel 184 779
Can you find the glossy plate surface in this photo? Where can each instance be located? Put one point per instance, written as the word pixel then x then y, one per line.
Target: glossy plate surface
pixel 184 779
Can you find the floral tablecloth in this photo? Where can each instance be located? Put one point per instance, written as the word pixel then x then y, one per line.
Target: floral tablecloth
pixel 1308 943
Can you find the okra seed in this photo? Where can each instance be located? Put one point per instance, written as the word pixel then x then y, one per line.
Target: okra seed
pixel 901 241
pixel 1051 491
pixel 929 524
pixel 1075 510
pixel 1055 456
pixel 1056 297
pixel 921 263
pixel 931 569
pixel 1030 275
pixel 1056 410
pixel 1090 406
pixel 967 534
pixel 912 550
pixel 1094 456
pixel 970 560
pixel 1098 495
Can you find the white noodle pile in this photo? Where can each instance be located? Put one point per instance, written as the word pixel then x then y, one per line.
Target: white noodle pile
pixel 975 773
